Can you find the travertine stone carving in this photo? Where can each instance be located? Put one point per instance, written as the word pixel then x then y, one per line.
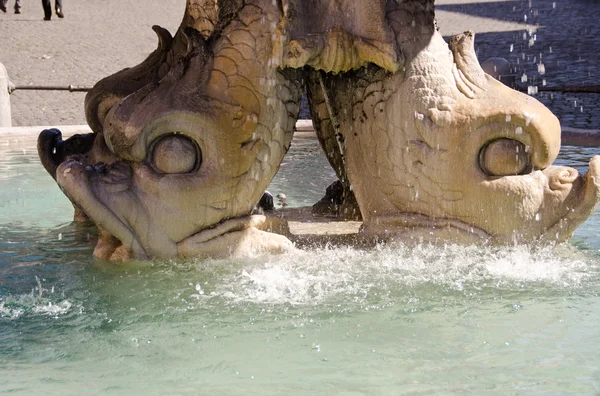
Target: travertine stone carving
pixel 187 142
pixel 440 150
pixel 431 147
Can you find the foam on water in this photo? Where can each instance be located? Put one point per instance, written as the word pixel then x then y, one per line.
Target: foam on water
pixel 320 275
pixel 40 301
pixel 14 307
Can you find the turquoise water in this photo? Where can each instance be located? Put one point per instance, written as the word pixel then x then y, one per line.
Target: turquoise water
pixel 387 321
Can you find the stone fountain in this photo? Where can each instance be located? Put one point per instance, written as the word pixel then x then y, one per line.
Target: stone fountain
pixel 426 145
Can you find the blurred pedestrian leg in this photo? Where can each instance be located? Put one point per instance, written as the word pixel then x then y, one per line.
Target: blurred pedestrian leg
pixel 4 3
pixel 48 9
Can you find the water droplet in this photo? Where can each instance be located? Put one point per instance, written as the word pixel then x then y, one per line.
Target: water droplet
pixel 541 69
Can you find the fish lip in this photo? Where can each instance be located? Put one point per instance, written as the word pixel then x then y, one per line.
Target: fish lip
pixel 237 237
pixel 73 179
pixel 564 227
pixel 53 150
pixel 591 185
pixel 423 227
pixel 211 234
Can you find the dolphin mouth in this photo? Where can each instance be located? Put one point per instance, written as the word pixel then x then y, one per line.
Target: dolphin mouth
pixel 235 238
pixel 566 198
pixel 53 150
pixel 589 196
pixel 422 228
pixel 229 238
pixel 73 179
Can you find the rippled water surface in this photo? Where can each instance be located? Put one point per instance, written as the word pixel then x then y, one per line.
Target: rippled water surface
pixel 387 321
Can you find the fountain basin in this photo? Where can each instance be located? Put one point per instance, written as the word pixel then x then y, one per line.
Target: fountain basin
pixel 383 319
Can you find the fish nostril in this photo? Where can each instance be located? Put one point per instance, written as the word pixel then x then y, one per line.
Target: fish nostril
pixel 562 177
pixel 101 168
pixel 567 175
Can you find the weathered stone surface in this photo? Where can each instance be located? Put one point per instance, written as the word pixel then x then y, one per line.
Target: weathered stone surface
pixel 5 90
pixel 430 146
pixel 338 35
pixel 416 143
pixel 187 141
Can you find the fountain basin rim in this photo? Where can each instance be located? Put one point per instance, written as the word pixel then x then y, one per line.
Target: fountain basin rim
pixel 304 128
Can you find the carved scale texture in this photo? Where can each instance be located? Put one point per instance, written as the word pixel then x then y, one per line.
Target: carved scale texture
pixel 271 99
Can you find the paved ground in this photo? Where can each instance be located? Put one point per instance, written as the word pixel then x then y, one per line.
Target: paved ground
pixel 99 37
pixel 560 38
pixel 96 38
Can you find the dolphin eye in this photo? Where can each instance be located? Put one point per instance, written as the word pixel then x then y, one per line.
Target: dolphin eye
pixel 175 154
pixel 505 157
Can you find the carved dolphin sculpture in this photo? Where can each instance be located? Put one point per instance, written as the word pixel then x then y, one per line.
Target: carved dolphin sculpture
pixel 185 143
pixel 442 151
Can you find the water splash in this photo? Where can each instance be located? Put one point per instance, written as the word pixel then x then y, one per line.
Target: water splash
pixel 40 301
pixel 15 307
pixel 347 274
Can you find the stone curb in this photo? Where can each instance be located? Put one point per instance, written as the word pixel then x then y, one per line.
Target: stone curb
pixel 580 137
pixel 304 129
pixel 33 131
